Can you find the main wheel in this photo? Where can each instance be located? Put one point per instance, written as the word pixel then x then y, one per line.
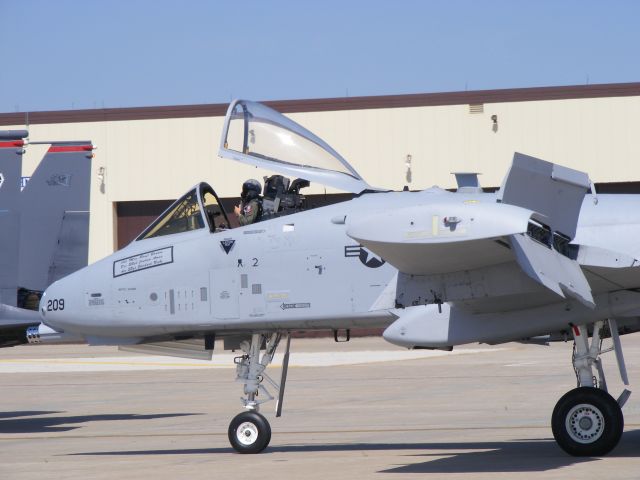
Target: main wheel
pixel 587 421
pixel 249 432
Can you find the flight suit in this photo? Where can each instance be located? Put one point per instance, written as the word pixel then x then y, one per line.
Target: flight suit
pixel 250 212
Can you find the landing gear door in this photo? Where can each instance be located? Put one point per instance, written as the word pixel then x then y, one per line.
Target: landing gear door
pixel 258 135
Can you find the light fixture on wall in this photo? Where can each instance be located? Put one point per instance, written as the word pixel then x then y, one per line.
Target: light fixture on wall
pixel 101 174
pixel 494 126
pixel 407 163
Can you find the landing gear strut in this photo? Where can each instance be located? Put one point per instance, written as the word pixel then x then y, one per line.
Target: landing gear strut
pixel 250 432
pixel 587 421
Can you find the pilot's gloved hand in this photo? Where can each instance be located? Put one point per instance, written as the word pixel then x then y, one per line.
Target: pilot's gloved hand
pixel 236 210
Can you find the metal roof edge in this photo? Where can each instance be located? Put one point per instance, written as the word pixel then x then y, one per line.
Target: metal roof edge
pixel 330 104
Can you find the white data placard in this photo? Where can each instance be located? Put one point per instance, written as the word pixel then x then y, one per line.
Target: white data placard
pixel 143 261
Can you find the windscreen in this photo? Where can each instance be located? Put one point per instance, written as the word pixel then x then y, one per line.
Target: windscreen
pixel 183 216
pixel 213 210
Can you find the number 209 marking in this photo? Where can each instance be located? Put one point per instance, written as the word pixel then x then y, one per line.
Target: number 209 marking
pixel 55 304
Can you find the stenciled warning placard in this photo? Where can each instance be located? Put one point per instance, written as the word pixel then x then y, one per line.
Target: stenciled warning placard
pixel 143 261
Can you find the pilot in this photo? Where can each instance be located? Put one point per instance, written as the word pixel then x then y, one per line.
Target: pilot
pixel 250 209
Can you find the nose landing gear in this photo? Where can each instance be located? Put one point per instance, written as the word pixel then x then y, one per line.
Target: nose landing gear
pixel 250 432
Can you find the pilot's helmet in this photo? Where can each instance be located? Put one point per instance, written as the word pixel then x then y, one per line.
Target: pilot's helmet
pixel 251 188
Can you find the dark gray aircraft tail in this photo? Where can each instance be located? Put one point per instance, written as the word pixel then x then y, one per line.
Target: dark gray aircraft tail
pixel 54 207
pixel 11 149
pixel 45 225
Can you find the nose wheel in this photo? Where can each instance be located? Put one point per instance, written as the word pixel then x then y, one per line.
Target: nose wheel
pixel 249 432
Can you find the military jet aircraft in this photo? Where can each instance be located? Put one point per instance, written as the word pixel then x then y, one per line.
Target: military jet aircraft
pixel 542 256
pixel 44 225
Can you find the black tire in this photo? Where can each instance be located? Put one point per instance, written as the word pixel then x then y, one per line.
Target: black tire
pixel 249 432
pixel 587 422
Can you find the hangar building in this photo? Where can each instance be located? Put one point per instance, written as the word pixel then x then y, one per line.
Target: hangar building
pixel 148 156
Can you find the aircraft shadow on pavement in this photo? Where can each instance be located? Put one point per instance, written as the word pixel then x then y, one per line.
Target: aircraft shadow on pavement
pixel 26 413
pixel 505 457
pixel 35 422
pixel 486 457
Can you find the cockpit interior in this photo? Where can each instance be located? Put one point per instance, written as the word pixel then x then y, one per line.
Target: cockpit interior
pixel 200 208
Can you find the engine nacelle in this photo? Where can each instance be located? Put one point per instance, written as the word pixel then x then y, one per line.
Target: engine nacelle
pixel 433 326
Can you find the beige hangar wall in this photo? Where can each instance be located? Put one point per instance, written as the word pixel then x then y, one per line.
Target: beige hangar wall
pixel 162 158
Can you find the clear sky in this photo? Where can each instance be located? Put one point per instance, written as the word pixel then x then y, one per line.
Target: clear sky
pixel 74 54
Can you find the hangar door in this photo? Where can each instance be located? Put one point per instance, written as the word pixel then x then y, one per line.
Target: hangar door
pixel 133 217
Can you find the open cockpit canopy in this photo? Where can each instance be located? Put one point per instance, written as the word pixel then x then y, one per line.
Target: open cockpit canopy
pixel 196 209
pixel 258 135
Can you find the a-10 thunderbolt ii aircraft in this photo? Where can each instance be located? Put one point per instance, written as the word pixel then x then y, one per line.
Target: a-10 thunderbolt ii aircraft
pixel 539 257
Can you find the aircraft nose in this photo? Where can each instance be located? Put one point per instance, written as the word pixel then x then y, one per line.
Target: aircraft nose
pixel 46 304
pixel 55 304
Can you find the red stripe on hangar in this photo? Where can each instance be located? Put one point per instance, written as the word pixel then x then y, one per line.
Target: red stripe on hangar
pixel 69 148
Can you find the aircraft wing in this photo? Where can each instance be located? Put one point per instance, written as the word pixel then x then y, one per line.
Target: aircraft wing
pixel 441 237
pixel 530 228
pixel 13 324
pixel 14 316
pixel 258 135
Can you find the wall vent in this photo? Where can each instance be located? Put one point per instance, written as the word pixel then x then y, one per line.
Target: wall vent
pixel 476 108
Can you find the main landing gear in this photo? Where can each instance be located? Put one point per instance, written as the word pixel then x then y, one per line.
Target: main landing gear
pixel 587 421
pixel 250 432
